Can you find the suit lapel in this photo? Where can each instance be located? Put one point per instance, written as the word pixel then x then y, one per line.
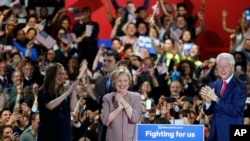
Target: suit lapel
pixel 218 87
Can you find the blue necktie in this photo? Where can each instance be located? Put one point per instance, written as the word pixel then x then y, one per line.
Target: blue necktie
pixel 108 84
pixel 107 89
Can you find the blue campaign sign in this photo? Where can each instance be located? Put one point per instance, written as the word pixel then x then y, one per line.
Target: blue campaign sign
pixel 145 42
pixel 165 132
pixel 106 42
pixel 247 14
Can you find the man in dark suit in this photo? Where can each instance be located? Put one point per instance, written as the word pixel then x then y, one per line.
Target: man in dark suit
pixel 111 59
pixel 225 99
pixel 5 80
pixel 31 74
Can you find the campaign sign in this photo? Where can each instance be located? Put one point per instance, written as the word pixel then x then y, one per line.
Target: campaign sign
pixel 165 132
pixel 106 42
pixel 145 42
pixel 247 14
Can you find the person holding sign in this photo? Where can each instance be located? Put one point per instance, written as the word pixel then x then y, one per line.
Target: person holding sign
pixel 63 49
pixel 122 109
pixel 225 99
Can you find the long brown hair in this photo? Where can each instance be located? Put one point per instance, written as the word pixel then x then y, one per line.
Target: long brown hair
pixel 49 84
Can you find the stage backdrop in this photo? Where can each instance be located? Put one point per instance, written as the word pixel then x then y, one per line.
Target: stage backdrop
pixel 212 41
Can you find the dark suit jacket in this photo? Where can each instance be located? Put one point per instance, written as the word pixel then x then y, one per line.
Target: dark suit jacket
pixel 100 86
pixel 100 91
pixel 6 85
pixel 37 79
pixel 228 110
pixel 25 98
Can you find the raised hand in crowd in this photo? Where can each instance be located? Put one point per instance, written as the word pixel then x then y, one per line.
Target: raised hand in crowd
pixel 19 89
pixel 179 101
pixel 201 27
pixel 15 116
pixel 14 136
pixel 98 57
pixel 80 38
pixel 26 110
pixel 118 21
pixel 161 101
pixel 83 69
pixel 56 16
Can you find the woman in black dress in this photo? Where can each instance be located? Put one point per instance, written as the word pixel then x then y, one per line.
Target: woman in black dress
pixel 55 103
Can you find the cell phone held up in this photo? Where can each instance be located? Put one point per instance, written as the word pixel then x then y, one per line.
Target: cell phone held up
pixel 7 47
pixel 170 99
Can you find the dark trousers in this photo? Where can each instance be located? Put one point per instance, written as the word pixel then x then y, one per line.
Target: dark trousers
pixel 101 131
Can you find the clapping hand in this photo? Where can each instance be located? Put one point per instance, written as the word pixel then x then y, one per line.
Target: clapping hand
pixel 30 44
pixel 209 94
pixel 120 105
pixel 15 116
pixel 83 68
pixel 35 89
pixel 119 99
pixel 14 136
pixel 73 86
pixel 19 88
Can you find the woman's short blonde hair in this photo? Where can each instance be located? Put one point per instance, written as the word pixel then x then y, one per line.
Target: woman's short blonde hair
pixel 117 72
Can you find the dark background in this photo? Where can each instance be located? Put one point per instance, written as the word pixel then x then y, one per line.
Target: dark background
pixel 45 2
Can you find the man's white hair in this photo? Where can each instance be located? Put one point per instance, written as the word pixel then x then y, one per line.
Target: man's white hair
pixel 225 55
